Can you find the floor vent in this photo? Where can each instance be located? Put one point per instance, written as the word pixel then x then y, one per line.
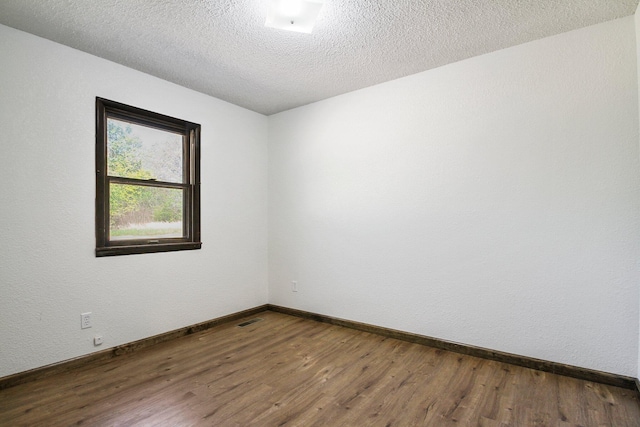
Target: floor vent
pixel 249 322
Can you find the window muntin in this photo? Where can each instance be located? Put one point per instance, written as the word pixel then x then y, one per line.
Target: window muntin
pixel 147 181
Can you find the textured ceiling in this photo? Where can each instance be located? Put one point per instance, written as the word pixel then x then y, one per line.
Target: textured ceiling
pixel 222 48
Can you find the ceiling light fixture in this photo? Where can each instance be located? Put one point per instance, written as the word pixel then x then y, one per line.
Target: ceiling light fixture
pixel 293 15
pixel 290 8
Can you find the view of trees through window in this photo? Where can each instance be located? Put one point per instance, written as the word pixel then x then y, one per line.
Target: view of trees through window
pixel 142 153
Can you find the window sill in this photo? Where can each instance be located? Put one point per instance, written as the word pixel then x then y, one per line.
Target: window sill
pixel 146 249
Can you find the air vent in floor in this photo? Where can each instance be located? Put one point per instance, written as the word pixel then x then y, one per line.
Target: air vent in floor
pixel 249 322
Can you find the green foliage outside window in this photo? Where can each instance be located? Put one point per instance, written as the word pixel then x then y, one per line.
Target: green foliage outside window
pixel 135 204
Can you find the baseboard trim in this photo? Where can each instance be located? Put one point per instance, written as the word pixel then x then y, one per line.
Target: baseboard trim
pixel 67 365
pixel 514 359
pixel 527 362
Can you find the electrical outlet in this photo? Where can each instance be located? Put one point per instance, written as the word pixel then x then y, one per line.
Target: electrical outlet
pixel 97 340
pixel 294 286
pixel 85 320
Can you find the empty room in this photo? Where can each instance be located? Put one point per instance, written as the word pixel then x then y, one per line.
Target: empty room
pixel 320 213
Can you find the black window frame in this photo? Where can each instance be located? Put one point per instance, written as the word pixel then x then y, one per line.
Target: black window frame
pixel 191 171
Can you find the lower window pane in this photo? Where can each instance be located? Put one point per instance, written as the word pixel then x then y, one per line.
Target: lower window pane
pixel 142 212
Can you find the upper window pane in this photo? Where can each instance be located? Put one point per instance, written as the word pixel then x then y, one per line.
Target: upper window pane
pixel 141 152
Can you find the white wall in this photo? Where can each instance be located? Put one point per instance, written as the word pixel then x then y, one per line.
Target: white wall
pixel 48 271
pixel 492 202
pixel 637 27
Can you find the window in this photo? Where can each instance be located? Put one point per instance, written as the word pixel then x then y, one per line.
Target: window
pixel 147 181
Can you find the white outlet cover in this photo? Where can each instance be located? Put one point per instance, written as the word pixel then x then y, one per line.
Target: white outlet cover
pixel 85 320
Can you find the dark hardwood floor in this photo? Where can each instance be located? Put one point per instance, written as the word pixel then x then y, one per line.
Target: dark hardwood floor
pixel 287 371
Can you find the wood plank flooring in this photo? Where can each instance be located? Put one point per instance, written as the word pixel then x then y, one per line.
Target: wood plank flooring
pixel 287 371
